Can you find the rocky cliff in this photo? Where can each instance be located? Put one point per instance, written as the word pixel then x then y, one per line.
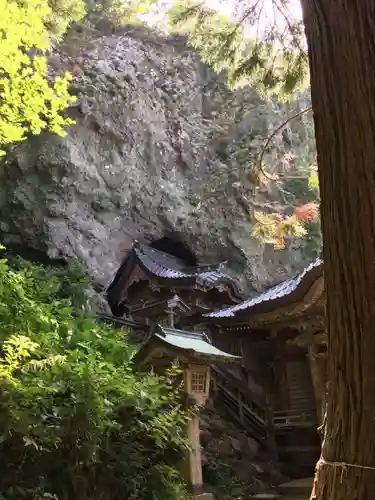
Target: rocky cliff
pixel 161 147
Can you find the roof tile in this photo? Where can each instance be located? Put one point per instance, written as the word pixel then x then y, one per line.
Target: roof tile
pixel 282 289
pixel 167 266
pixel 193 341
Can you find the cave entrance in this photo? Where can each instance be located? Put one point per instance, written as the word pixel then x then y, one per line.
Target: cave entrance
pixel 175 248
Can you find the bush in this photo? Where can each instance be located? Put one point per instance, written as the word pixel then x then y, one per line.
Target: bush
pixel 61 15
pixel 76 420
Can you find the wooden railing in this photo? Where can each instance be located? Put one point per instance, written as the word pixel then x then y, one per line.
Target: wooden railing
pixel 286 419
pixel 241 404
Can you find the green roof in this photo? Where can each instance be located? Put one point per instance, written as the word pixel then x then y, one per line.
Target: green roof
pixel 197 342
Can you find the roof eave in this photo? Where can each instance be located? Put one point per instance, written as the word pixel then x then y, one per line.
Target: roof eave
pixel 299 294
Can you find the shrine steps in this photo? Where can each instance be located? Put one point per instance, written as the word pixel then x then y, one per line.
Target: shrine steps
pixel 297 489
pixel 242 406
pixel 289 438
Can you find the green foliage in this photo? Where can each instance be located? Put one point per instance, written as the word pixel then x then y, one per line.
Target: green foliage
pixel 303 224
pixel 28 102
pixel 121 12
pixel 291 160
pixel 76 421
pixel 273 228
pixel 314 182
pixel 62 13
pixel 221 476
pixel 260 44
pixel 55 283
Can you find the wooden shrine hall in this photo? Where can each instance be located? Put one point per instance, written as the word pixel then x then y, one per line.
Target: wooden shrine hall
pixel 280 336
pixel 153 286
pixel 276 393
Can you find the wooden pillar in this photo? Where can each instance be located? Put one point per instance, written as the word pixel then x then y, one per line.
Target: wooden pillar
pixel 195 457
pixel 193 467
pixel 317 369
pixel 280 375
pixel 171 317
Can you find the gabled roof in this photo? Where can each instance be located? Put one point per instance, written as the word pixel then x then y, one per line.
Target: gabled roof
pixel 197 342
pixel 168 268
pixel 277 296
pixel 195 345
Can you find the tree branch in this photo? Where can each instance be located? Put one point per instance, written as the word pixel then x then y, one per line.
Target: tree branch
pixel 260 163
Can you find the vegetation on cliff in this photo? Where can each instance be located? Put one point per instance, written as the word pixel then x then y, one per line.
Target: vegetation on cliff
pixel 76 420
pixel 264 48
pixel 29 101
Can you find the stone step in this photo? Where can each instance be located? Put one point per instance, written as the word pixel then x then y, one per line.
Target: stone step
pixel 266 496
pixel 299 488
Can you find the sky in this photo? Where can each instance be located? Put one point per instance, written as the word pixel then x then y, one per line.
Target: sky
pixel 269 13
pixel 225 7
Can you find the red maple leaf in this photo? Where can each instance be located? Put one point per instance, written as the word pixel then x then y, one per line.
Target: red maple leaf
pixel 306 213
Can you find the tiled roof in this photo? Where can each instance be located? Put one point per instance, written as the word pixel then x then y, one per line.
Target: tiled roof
pixel 167 266
pixel 193 341
pixel 275 293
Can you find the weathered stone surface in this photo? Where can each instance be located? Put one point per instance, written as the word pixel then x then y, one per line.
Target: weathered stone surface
pixel 204 496
pixel 266 496
pixel 258 468
pixel 236 445
pixel 223 445
pixel 252 446
pixel 235 465
pixel 150 155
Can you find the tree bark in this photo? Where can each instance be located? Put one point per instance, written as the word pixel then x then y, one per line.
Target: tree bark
pixel 341 42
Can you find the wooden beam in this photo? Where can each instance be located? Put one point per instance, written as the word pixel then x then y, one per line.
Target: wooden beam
pixel 318 379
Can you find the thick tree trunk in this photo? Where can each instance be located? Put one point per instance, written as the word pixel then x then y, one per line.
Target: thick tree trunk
pixel 341 41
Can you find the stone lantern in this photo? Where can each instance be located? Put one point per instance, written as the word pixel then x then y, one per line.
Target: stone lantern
pixel 195 355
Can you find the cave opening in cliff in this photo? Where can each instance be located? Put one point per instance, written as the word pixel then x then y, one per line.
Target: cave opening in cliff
pixel 176 248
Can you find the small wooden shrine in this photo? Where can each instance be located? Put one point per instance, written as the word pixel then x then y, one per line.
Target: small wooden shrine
pixel 280 336
pixel 158 287
pixel 195 354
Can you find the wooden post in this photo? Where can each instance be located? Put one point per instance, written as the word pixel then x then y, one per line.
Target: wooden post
pixel 171 318
pixel 194 458
pixel 318 380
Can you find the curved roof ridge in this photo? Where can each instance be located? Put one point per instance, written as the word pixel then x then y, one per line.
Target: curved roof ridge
pixel 170 259
pixel 275 292
pixel 168 266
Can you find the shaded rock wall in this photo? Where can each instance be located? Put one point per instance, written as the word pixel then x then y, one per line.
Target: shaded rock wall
pixel 233 464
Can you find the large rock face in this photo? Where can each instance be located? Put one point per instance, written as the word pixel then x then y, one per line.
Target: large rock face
pixel 152 154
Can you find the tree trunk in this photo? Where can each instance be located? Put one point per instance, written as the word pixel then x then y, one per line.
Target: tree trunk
pixel 341 42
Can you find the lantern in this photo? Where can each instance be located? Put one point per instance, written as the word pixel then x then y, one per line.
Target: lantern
pixel 197 383
pixel 195 355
